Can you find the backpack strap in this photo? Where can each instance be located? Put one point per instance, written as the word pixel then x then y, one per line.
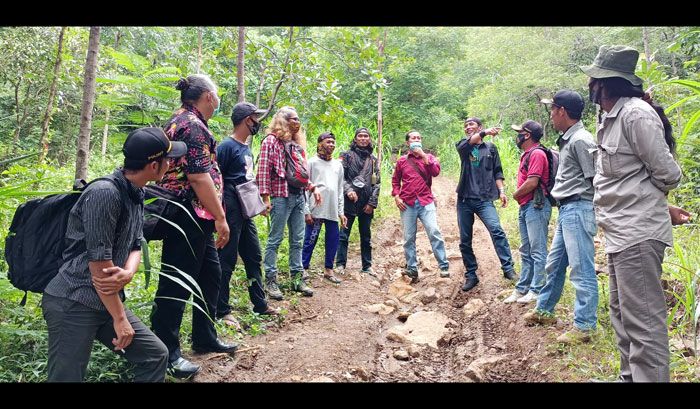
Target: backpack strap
pixel 527 164
pixel 412 162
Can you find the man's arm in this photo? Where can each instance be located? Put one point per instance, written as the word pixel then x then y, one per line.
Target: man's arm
pixel 122 327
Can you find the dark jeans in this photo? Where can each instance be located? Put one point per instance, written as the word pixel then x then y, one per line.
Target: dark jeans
pixel 466 209
pixel 74 327
pixel 202 267
pixel 365 221
pixel 311 237
pixel 243 241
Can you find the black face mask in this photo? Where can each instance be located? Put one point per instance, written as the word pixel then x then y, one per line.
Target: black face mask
pixel 255 128
pixel 594 93
pixel 520 140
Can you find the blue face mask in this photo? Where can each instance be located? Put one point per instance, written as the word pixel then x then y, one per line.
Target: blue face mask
pixel 415 145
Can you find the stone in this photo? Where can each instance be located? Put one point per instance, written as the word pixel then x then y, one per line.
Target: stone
pixel 473 307
pixel 400 288
pixel 423 328
pixel 428 296
pixel 322 379
pixel 401 355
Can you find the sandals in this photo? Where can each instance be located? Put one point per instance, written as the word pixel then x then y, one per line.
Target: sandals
pixel 231 321
pixel 332 279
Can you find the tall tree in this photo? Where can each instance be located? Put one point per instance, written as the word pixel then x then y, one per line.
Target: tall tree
pixel 381 42
pixel 52 95
pixel 83 155
pixel 240 64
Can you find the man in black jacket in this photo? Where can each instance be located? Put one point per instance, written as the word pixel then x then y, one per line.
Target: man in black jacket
pixel 361 188
pixel 480 183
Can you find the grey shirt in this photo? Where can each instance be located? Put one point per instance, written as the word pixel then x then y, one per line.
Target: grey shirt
pixel 634 172
pixel 97 231
pixel 328 176
pixel 576 165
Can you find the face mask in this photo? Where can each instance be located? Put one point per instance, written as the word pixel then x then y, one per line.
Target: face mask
pixel 218 106
pixel 520 140
pixel 594 93
pixel 415 145
pixel 255 128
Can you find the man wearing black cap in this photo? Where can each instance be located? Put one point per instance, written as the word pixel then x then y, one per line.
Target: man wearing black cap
pixel 534 213
pixel 236 164
pixel 85 299
pixel 572 244
pixel 635 170
pixel 361 188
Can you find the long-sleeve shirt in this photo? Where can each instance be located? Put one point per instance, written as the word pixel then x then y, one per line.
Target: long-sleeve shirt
pixel 634 172
pixel 271 176
pixel 409 185
pixel 327 175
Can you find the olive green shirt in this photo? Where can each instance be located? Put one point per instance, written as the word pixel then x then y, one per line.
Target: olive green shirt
pixel 634 172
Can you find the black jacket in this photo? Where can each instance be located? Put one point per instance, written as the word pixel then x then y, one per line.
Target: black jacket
pixel 353 163
pixel 489 170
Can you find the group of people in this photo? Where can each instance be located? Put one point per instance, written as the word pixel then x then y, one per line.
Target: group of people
pixel 619 184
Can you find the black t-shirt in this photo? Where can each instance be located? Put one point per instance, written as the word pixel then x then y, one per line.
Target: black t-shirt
pixel 235 161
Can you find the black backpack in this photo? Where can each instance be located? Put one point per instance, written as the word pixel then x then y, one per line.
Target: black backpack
pixel 553 164
pixel 35 242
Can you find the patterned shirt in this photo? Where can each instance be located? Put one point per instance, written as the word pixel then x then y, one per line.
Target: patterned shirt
pixel 271 176
pixel 188 125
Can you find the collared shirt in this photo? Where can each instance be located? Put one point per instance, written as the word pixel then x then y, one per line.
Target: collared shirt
pixel 576 165
pixel 188 125
pixel 98 230
pixel 328 176
pixel 477 179
pixel 409 185
pixel 537 167
pixel 271 174
pixel 634 171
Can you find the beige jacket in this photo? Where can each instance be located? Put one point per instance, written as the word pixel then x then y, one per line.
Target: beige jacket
pixel 634 172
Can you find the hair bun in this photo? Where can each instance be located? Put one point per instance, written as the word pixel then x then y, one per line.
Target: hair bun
pixel 182 84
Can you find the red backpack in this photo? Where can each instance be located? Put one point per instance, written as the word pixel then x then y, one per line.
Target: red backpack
pixel 296 168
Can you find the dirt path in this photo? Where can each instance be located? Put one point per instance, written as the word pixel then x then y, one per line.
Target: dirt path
pixel 334 336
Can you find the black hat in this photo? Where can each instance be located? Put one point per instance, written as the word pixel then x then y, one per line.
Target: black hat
pixel 530 126
pixel 325 135
pixel 572 101
pixel 150 144
pixel 242 110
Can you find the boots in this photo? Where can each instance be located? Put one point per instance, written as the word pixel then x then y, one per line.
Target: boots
pixel 273 290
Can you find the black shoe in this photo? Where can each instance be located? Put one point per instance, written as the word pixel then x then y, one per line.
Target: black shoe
pixel 470 283
pixel 182 368
pixel 412 274
pixel 510 275
pixel 219 346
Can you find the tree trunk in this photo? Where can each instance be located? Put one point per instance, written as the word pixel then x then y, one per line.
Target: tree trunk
pixel 105 134
pixel 239 64
pixel 52 94
pixel 645 39
pixel 285 74
pixel 380 119
pixel 199 49
pixel 83 155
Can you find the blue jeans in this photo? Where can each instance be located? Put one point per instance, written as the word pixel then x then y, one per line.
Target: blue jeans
pixel 290 211
pixel 427 216
pixel 466 209
pixel 573 246
pixel 311 237
pixel 533 249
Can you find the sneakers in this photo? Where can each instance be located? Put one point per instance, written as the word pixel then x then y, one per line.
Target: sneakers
pixel 445 272
pixel 273 290
pixel 509 275
pixel 574 336
pixel 513 297
pixel 182 368
pixel 470 283
pixel 299 285
pixel 527 298
pixel 369 271
pixel 539 317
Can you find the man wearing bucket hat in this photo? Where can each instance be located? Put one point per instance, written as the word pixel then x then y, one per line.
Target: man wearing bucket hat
pixel 635 170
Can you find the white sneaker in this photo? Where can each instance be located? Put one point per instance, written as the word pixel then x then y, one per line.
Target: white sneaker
pixel 527 298
pixel 514 296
